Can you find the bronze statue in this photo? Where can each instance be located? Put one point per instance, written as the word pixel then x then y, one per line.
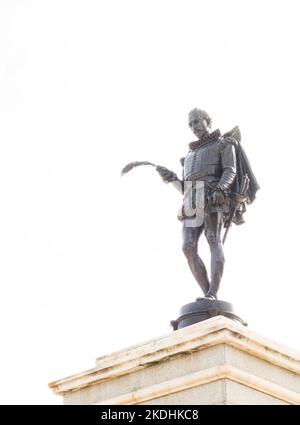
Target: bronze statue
pixel 217 183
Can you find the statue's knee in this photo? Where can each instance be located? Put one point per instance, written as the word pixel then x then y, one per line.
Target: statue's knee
pixel 221 259
pixel 189 249
pixel 212 238
pixel 217 250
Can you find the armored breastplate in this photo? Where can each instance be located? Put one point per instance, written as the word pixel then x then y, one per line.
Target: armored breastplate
pixel 204 162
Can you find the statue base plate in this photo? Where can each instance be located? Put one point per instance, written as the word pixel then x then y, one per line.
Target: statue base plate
pixel 203 309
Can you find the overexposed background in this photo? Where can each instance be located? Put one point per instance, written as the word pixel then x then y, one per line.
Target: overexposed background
pixel 91 262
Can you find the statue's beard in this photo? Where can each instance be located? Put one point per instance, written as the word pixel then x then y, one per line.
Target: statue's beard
pixel 201 133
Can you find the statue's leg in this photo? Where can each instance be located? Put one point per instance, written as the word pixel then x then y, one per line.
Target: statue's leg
pixel 213 227
pixel 190 237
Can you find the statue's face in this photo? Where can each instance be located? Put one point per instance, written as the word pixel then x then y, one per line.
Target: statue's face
pixel 198 124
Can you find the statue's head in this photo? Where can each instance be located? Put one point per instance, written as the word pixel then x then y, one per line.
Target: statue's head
pixel 199 122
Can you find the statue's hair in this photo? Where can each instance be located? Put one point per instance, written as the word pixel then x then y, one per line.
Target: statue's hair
pixel 204 115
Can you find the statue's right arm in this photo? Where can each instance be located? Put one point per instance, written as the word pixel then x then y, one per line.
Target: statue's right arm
pixel 169 176
pixel 178 184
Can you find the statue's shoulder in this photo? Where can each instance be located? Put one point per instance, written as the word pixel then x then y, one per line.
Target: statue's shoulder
pixel 233 137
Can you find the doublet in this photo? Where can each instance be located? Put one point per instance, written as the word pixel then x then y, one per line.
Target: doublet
pixel 213 162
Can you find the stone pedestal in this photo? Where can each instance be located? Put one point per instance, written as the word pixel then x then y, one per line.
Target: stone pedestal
pixel 217 361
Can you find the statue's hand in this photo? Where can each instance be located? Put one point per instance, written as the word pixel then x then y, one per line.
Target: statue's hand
pixel 218 197
pixel 167 175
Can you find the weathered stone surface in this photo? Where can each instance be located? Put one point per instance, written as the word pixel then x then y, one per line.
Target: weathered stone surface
pixel 217 361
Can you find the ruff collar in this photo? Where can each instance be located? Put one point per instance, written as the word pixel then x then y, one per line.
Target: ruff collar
pixel 206 138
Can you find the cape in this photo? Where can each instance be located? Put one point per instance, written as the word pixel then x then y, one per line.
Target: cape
pixel 243 166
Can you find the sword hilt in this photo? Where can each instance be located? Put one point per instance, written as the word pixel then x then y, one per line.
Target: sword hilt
pixel 239 198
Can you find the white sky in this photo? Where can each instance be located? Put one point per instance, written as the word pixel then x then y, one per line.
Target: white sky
pixel 92 263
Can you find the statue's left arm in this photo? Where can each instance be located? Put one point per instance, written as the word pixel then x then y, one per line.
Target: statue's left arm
pixel 228 162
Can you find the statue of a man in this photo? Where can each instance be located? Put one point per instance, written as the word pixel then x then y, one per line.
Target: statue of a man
pixel 217 183
pixel 218 163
